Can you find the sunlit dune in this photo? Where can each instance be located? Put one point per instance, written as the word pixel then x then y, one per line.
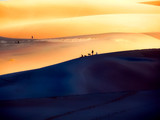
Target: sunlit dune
pixel 137 23
pixel 25 56
pixel 156 3
pixel 155 34
pixel 35 9
pixel 23 11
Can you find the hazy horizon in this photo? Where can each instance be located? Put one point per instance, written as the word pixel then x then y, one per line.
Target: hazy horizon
pixel 31 55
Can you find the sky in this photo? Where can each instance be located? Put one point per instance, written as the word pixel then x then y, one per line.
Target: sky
pixel 60 18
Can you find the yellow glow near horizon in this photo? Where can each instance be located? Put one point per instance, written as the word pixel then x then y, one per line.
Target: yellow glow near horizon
pixel 44 54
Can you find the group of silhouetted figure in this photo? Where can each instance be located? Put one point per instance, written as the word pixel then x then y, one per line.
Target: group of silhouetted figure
pixel 90 54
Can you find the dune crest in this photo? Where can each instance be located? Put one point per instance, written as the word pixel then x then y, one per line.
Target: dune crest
pixel 114 72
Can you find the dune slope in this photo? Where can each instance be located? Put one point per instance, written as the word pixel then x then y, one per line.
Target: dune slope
pixel 114 72
pixel 29 54
pixel 141 105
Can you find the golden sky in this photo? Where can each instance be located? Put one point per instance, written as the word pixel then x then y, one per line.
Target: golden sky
pixel 59 18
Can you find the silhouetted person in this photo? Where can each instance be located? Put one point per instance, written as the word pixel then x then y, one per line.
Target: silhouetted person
pixel 92 52
pixel 32 37
pixel 81 55
pixel 17 42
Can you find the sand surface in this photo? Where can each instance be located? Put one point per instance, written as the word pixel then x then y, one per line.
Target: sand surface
pixel 31 54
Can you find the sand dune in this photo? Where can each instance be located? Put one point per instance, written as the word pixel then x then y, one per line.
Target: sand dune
pixel 156 34
pixel 123 71
pixel 139 105
pixel 108 23
pixel 31 54
pixel 122 85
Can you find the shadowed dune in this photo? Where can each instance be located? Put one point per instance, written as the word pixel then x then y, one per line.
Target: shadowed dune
pixel 140 105
pixel 118 86
pixel 121 71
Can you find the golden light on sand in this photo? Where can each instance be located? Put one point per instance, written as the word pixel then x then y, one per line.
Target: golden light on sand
pixel 133 23
pixel 30 16
pixel 59 50
pixel 157 3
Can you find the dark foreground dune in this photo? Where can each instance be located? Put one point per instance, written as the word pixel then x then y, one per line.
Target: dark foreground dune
pixel 139 105
pixel 114 86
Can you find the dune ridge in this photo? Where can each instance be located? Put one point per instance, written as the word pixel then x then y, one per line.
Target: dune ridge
pixel 113 72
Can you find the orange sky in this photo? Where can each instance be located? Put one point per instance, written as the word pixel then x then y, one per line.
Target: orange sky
pixel 58 18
